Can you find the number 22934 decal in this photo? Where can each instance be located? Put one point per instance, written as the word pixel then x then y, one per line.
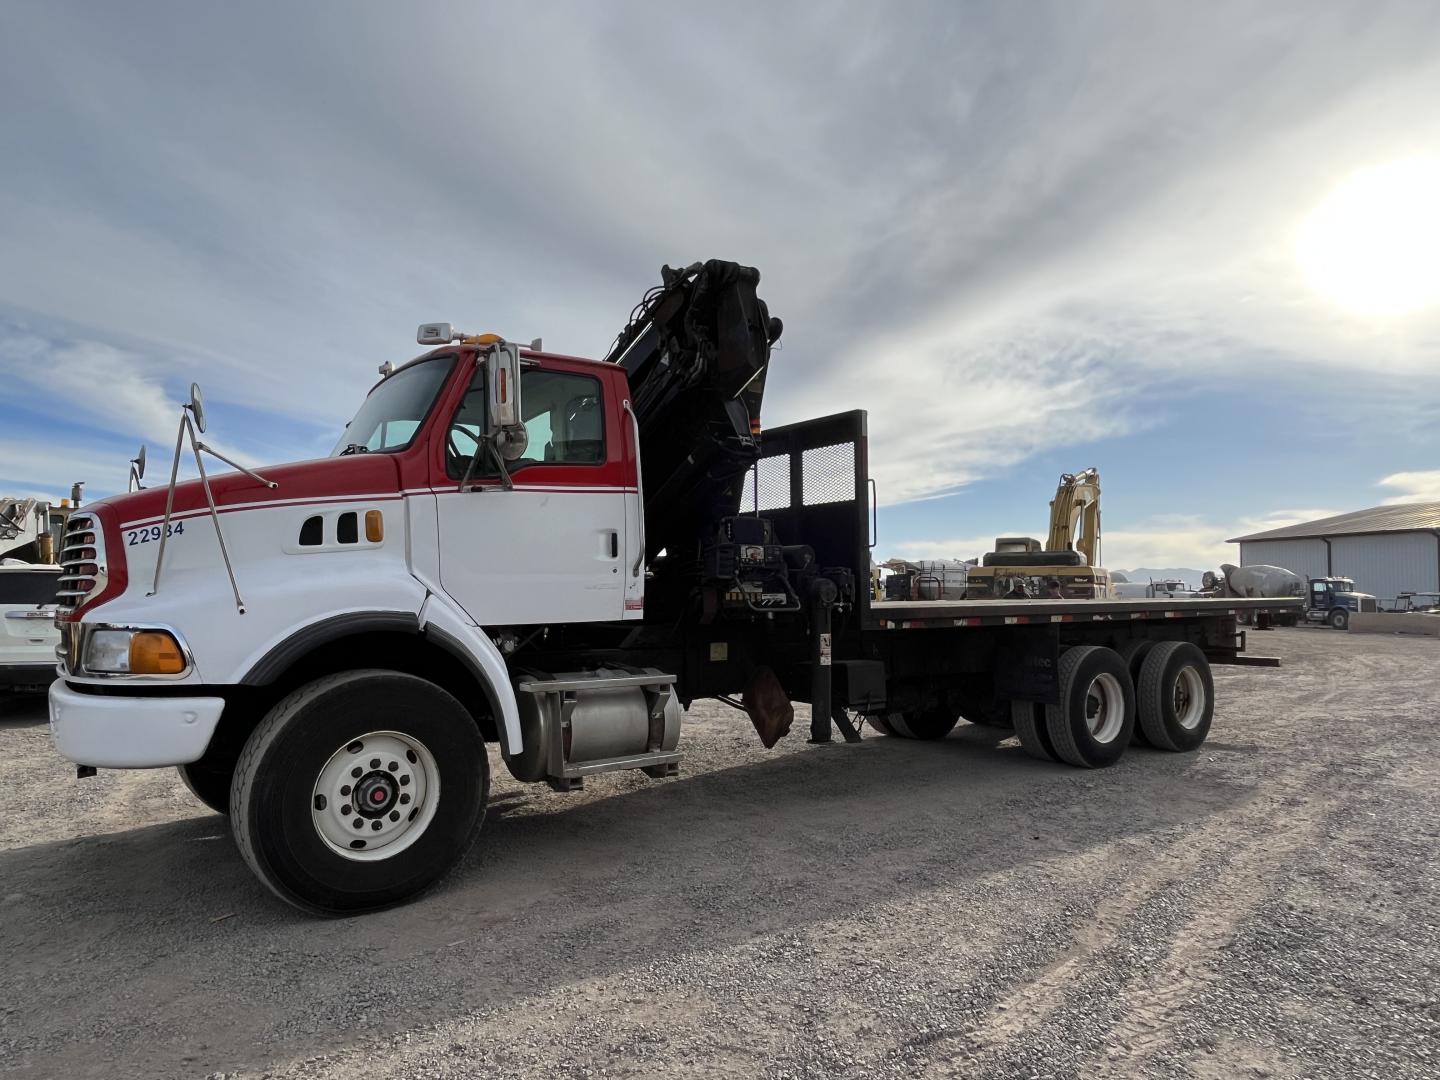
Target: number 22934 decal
pixel 144 536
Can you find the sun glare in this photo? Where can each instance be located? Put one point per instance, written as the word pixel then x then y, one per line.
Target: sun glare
pixel 1373 244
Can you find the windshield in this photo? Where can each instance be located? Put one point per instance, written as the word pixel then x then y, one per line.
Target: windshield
pixel 395 409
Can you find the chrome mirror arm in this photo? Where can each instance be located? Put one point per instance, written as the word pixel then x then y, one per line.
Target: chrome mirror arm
pixel 187 425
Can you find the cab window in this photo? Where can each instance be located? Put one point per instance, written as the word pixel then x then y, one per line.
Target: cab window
pixel 563 416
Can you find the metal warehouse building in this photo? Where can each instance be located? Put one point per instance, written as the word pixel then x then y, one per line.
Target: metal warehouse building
pixel 1387 550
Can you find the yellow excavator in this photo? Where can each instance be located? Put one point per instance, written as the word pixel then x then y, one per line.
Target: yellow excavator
pixel 1066 567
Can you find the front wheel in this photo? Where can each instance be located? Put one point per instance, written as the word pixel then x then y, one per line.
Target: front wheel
pixel 359 791
pixel 1340 619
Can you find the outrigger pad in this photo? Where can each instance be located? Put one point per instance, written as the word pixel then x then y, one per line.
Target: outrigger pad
pixel 768 707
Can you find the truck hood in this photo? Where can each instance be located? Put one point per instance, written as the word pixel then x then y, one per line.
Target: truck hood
pixel 356 475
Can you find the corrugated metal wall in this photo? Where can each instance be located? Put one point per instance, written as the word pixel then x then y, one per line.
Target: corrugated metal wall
pixel 1388 564
pixel 1303 557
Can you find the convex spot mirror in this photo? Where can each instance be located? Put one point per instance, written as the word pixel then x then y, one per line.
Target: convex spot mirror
pixel 197 407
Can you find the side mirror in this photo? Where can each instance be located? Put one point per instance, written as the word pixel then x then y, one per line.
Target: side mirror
pixel 197 407
pixel 502 377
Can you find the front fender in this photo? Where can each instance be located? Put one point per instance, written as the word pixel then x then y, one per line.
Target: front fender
pixel 451 629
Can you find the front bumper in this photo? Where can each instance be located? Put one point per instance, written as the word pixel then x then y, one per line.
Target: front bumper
pixel 131 732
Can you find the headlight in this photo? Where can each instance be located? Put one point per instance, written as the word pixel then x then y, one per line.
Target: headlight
pixel 134 652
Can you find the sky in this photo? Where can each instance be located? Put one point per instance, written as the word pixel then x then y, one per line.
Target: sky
pixel 1028 238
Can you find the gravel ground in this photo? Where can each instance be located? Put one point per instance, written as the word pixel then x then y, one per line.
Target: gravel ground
pixel 1267 907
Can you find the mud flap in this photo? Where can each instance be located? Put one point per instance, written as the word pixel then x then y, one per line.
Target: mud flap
pixel 768 707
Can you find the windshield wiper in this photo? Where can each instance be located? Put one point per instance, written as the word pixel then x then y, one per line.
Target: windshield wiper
pixel 355 448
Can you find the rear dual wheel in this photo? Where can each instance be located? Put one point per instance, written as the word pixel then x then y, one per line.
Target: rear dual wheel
pixel 1176 696
pixel 1092 724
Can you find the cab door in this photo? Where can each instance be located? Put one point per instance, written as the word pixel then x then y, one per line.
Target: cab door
pixel 550 548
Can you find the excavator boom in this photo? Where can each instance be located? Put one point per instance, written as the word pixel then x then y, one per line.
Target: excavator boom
pixel 1076 507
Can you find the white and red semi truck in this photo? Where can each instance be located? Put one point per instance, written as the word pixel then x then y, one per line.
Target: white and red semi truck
pixel 557 555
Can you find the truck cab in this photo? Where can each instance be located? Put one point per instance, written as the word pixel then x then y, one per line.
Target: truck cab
pixel 1332 600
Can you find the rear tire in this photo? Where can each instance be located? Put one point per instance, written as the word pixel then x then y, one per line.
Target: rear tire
pixel 1176 696
pixel 1133 652
pixel 926 725
pixel 1029 720
pixel 1091 726
pixel 418 801
pixel 994 714
pixel 211 787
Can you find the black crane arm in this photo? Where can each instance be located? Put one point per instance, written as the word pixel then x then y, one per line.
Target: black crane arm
pixel 696 351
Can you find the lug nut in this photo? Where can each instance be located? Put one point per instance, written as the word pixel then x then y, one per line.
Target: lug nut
pixel 345 790
pixel 404 797
pixel 359 823
pixel 404 779
pixel 374 762
pixel 377 825
pixel 345 809
pixel 393 766
pixel 394 815
pixel 356 772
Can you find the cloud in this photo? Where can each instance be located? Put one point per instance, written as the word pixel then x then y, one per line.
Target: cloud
pixel 1421 486
pixel 999 228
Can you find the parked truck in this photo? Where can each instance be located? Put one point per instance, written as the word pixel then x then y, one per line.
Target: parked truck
pixel 556 555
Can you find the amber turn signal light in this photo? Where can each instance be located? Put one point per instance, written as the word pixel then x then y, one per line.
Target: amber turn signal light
pixel 154 652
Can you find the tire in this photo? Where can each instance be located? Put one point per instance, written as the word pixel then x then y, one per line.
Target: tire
pixel 1029 720
pixel 1339 619
pixel 1091 726
pixel 210 786
pixel 1175 696
pixel 927 724
pixel 995 714
pixel 877 722
pixel 424 752
pixel 1133 652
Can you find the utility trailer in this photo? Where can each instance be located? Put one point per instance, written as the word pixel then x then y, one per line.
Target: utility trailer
pixel 557 555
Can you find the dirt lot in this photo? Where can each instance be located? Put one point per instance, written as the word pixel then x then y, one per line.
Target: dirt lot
pixel 1269 906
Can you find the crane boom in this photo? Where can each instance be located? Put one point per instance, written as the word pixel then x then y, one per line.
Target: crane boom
pixel 696 350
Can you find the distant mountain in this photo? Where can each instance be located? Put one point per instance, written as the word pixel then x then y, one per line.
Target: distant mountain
pixel 1186 574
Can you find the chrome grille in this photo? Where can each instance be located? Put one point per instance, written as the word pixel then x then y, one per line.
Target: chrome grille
pixel 82 561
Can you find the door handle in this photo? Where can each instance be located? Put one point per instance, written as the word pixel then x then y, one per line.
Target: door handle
pixel 614 544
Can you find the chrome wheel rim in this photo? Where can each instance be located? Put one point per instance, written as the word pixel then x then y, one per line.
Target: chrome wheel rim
pixel 375 796
pixel 1189 699
pixel 1104 707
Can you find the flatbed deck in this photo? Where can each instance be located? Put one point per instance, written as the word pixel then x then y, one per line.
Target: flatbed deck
pixel 910 614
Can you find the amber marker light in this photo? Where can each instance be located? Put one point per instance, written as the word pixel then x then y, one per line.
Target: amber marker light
pixel 374 526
